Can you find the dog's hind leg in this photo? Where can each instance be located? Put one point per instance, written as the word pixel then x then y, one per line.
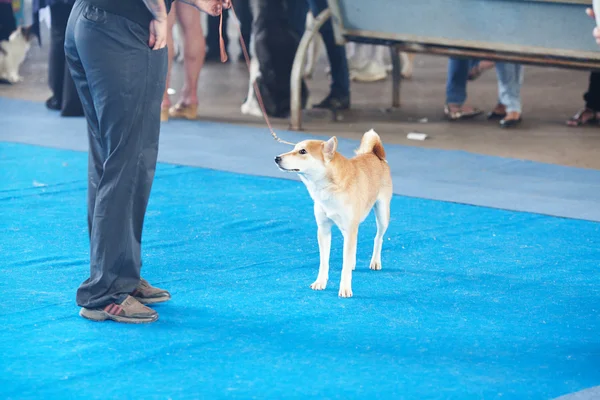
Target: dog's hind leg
pixel 324 225
pixel 382 215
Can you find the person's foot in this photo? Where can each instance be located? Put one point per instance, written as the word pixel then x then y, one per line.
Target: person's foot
pixel 497 113
pixel 53 104
pixel 334 102
pixel 586 116
pixel 184 110
pixel 455 112
pixel 130 311
pixel 148 294
pixel 511 120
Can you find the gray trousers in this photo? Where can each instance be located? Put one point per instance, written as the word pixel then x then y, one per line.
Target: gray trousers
pixel 120 81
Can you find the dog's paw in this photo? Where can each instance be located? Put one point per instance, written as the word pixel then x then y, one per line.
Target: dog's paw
pixel 13 79
pixel 375 265
pixel 345 291
pixel 319 284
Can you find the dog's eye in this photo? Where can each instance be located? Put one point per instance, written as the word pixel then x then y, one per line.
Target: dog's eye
pixel 302 151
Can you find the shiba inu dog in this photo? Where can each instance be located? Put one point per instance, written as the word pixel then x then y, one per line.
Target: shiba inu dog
pixel 13 52
pixel 344 191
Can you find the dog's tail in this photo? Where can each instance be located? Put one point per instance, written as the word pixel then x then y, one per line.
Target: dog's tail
pixel 371 143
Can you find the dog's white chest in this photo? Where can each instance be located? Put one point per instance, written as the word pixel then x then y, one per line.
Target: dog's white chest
pixel 328 203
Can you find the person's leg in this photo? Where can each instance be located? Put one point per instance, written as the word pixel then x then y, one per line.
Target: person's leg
pixel 109 58
pixel 456 90
pixel 8 22
pixel 339 96
pixel 59 14
pixel 193 60
pixel 244 13
pixel 510 80
pixel 213 46
pixel 166 101
pixel 65 97
pixel 297 10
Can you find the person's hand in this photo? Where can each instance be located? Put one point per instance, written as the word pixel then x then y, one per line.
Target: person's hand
pixel 596 32
pixel 212 7
pixel 158 33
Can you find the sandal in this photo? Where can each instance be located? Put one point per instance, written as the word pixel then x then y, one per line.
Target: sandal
pixel 187 111
pixel 460 113
pixel 579 119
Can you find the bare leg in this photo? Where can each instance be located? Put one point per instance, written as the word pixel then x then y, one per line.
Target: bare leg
pixel 194 50
pixel 324 237
pixel 166 102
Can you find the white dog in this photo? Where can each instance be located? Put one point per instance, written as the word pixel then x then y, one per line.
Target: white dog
pixel 344 191
pixel 13 52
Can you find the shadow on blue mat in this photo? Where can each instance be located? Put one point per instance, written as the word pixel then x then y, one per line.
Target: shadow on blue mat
pixel 471 302
pixel 455 176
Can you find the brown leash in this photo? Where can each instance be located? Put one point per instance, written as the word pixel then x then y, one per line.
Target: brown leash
pixel 247 57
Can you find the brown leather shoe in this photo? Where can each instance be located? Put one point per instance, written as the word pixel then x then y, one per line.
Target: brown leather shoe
pixel 148 294
pixel 130 311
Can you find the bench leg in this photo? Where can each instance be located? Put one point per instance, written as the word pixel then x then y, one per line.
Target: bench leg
pixel 396 76
pixel 298 70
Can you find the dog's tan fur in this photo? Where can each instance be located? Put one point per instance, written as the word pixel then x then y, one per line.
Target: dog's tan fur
pixel 344 191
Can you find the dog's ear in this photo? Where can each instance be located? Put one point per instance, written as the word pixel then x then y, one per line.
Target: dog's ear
pixel 29 32
pixel 329 148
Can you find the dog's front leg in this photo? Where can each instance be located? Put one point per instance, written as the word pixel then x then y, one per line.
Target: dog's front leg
pixel 350 239
pixel 324 237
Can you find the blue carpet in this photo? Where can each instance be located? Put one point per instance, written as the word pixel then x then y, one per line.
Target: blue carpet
pixel 434 174
pixel 471 303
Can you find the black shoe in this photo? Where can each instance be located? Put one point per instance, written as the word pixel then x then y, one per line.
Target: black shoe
pixel 332 102
pixel 510 123
pixel 53 104
pixel 494 116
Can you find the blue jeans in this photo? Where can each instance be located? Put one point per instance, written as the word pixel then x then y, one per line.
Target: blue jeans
pixel 510 79
pixel 340 76
pixel 456 81
pixel 120 81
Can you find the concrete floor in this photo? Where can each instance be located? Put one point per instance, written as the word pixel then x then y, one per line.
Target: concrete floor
pixel 550 96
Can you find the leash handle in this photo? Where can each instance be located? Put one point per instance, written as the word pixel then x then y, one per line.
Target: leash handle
pixel 247 57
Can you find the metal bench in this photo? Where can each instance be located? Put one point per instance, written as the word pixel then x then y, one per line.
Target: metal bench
pixel 549 33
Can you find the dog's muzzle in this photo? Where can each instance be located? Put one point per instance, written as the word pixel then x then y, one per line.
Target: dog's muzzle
pixel 278 162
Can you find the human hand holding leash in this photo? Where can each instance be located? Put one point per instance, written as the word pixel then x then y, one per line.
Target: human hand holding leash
pixel 211 7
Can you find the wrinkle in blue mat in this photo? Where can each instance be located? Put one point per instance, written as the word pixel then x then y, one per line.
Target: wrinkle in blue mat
pixel 471 302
